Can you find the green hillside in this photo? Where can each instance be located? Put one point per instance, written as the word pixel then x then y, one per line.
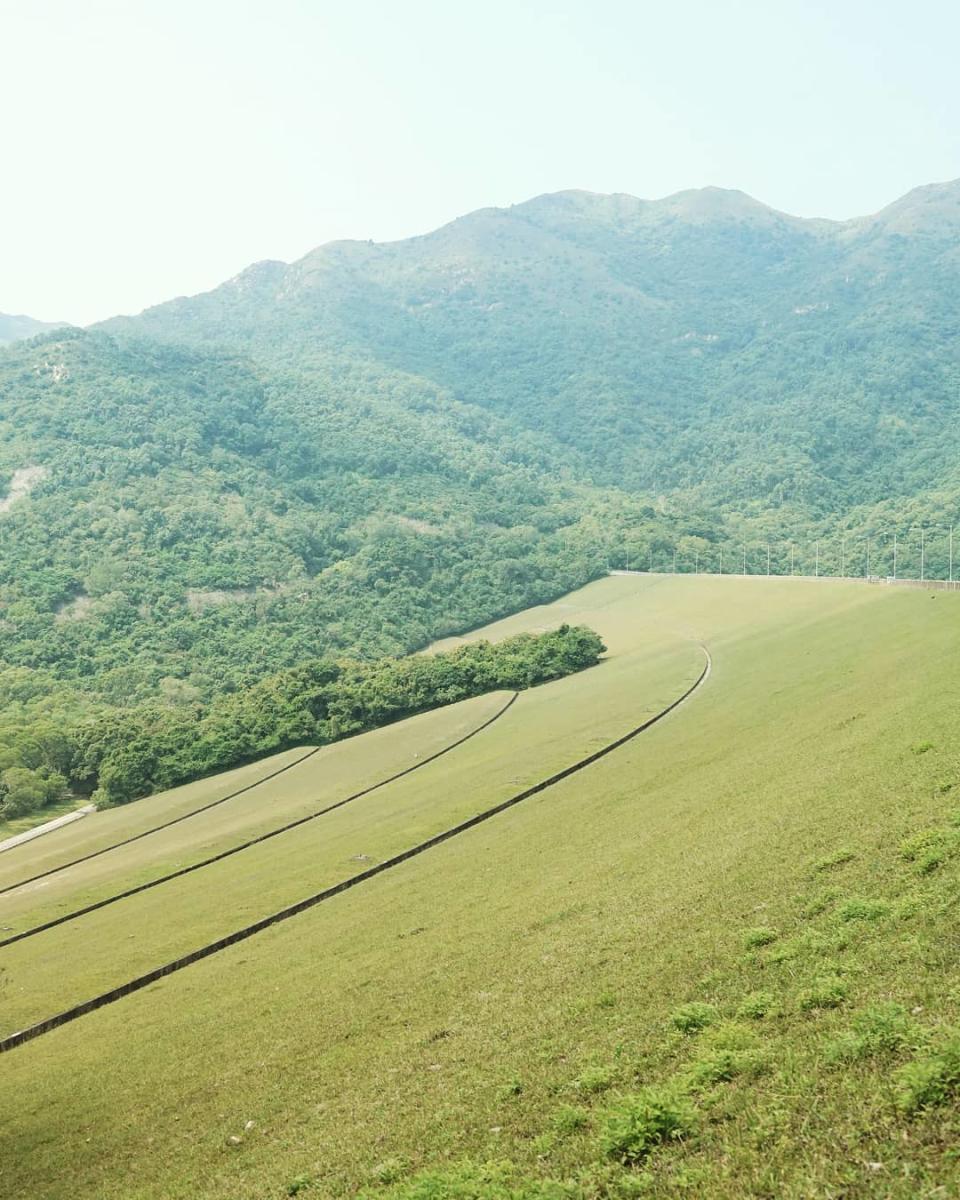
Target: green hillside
pixel 703 345
pixel 190 515
pixel 718 962
pixel 380 445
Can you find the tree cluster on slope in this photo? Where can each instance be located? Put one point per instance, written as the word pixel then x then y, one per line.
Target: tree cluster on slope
pixel 122 755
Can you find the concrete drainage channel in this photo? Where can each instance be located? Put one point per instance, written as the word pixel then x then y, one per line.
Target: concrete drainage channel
pixel 166 825
pixel 232 796
pixel 263 837
pixel 30 835
pixel 293 910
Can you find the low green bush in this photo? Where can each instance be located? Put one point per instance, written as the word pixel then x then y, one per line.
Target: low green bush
pixel 762 935
pixel 758 1005
pixel 691 1018
pixel 930 1080
pixel 824 993
pixel 644 1120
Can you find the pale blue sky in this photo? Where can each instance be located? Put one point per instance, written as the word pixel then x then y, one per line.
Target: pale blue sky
pixel 156 147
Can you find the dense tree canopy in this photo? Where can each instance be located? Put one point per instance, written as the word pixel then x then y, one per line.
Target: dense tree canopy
pixel 123 754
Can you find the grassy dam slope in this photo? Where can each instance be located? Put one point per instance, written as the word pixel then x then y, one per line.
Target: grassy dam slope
pixel 722 960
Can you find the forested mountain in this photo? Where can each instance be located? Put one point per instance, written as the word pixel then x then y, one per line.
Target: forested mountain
pixel 15 329
pixel 174 514
pixel 703 343
pixel 380 444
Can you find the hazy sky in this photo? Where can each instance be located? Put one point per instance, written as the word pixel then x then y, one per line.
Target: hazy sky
pixel 153 148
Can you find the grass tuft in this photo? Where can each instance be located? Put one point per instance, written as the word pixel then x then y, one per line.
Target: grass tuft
pixel 691 1018
pixel 930 1080
pixel 642 1121
pixel 931 848
pixel 761 935
pixel 391 1170
pixel 720 1066
pixel 824 993
pixel 594 1080
pixel 832 861
pixel 858 909
pixel 569 1119
pixel 758 1005
pixel 880 1030
pixel 469 1181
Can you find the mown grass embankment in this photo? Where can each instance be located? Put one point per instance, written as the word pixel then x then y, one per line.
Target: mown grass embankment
pixel 223 811
pixel 542 732
pixel 739 929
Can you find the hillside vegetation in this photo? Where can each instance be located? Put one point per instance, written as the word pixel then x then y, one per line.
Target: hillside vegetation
pixel 123 755
pixel 703 346
pixel 380 445
pixel 666 975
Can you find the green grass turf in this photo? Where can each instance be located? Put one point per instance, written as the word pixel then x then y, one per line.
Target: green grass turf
pixel 492 999
pixel 542 732
pixel 105 828
pixel 334 773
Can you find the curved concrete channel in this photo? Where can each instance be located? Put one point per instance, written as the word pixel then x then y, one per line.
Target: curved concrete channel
pixel 263 837
pixel 293 910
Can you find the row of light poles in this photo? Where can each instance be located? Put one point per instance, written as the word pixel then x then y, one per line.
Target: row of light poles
pixel 741 558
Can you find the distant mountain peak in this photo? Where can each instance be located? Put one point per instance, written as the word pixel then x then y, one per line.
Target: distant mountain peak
pixel 695 206
pixel 934 207
pixel 708 204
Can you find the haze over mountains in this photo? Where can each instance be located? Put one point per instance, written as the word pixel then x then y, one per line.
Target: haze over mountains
pixel 699 342
pixel 378 444
pixel 16 328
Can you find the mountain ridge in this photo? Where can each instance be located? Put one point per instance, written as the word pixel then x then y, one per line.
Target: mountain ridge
pixel 691 206
pixel 18 327
pixel 637 342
